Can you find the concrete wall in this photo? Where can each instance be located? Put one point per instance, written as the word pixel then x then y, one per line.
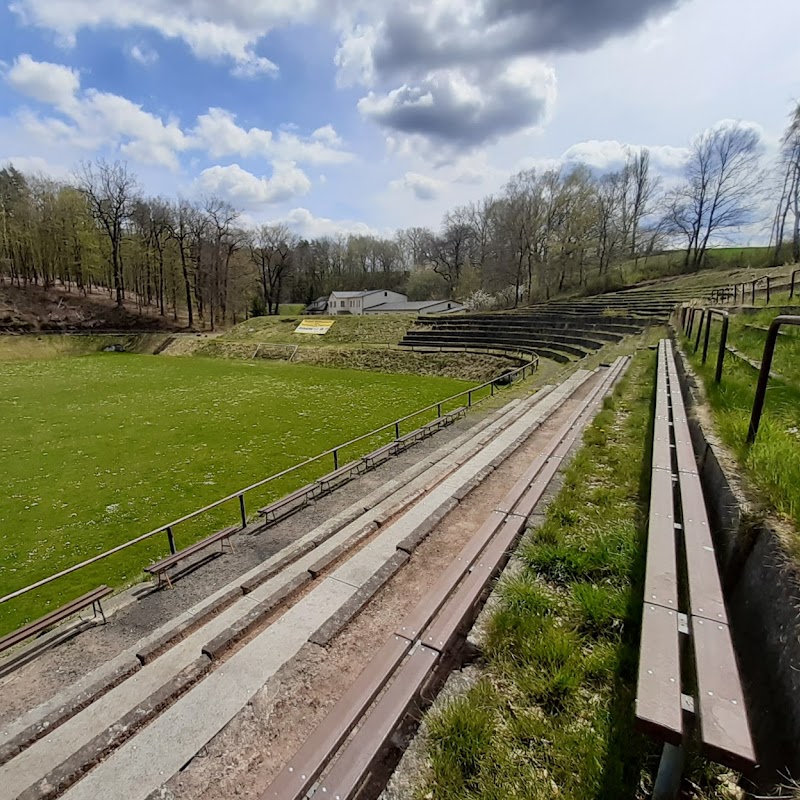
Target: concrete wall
pixel 762 589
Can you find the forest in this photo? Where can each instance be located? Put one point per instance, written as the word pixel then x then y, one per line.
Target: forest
pixel 544 233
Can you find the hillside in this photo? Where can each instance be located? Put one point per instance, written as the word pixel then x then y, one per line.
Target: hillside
pixel 32 309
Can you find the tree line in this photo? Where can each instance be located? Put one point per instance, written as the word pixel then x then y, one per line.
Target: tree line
pixel 544 233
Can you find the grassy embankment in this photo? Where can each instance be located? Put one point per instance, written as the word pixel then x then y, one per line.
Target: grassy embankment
pixel 552 713
pixel 772 464
pixel 99 449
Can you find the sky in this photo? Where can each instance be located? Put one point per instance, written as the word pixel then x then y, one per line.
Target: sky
pixel 367 116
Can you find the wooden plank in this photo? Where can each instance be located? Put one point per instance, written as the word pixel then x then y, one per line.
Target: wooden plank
pixel 352 766
pixel 724 729
pixel 459 608
pixel 658 689
pixel 506 505
pixel 531 498
pixel 59 614
pixel 411 625
pixel 683 441
pixel 296 778
pixel 662 454
pixel 661 571
pixel 705 589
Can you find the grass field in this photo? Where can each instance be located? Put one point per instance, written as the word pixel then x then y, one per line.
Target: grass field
pixel 99 449
pixel 373 329
pixel 772 464
pixel 552 713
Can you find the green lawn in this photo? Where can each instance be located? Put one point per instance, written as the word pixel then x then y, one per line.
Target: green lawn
pixel 99 449
pixel 772 464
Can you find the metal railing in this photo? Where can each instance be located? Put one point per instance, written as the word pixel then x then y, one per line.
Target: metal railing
pixel 723 341
pixel 791 288
pixel 239 496
pixel 764 374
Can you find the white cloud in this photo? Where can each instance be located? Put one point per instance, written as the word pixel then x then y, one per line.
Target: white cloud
pixel 48 83
pixel 213 30
pixel 144 54
pixel 450 110
pixel 422 186
pixel 303 222
pixel 218 132
pixel 246 190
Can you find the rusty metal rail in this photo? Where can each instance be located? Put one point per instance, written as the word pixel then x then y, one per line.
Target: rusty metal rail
pixel 239 496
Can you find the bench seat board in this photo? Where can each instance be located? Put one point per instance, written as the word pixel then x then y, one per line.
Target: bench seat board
pixel 305 492
pixel 437 595
pixel 294 780
pixel 458 608
pixel 58 615
pixel 338 473
pixel 705 589
pixel 658 690
pixel 661 572
pixel 348 770
pixel 724 731
pixel 173 559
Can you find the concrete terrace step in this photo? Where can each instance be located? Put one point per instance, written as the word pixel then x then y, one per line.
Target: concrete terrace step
pixel 37 760
pixel 183 729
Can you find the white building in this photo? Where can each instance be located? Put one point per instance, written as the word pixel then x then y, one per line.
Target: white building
pixel 357 303
pixel 381 301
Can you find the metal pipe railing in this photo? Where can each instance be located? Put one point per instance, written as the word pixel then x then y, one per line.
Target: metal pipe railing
pixel 240 495
pixel 766 368
pixel 725 317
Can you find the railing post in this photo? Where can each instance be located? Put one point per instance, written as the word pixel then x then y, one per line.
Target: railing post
pixel 699 329
pixel 723 341
pixel 791 291
pixel 243 511
pixel 439 409
pixel 707 336
pixel 492 394
pixel 754 293
pixel 469 399
pixel 397 430
pixel 769 280
pixel 335 460
pixel 763 375
pixel 735 292
pixel 171 539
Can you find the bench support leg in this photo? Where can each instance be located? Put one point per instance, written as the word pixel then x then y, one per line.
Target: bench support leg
pixel 670 772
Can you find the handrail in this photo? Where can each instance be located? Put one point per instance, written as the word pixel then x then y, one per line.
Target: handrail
pixel 794 275
pixel 334 451
pixel 700 328
pixel 766 368
pixel 725 317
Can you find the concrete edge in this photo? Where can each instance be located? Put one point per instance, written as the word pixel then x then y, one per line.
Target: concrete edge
pixel 335 624
pixel 265 574
pixel 337 552
pixel 70 771
pixel 245 625
pixel 42 727
pixel 420 533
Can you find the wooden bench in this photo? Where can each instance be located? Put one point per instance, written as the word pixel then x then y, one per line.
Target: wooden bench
pixel 303 494
pixel 688 683
pixel 329 482
pixel 161 568
pixel 40 625
pixel 380 455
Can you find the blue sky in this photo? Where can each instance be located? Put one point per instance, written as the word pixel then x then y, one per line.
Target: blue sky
pixel 359 115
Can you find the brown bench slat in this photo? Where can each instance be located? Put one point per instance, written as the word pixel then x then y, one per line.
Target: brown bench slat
pixel 661 571
pixel 517 491
pixel 705 590
pixel 435 597
pixel 171 560
pixel 662 452
pixel 294 780
pixel 305 491
pixel 658 690
pixel 57 615
pixel 724 730
pixel 460 607
pixel 387 449
pixel 684 449
pixel 341 471
pixel 352 765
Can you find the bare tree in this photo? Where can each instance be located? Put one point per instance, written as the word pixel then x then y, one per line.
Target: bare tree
pixel 179 223
pixel 721 189
pixel 641 189
pixel 270 248
pixel 111 191
pixel 789 202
